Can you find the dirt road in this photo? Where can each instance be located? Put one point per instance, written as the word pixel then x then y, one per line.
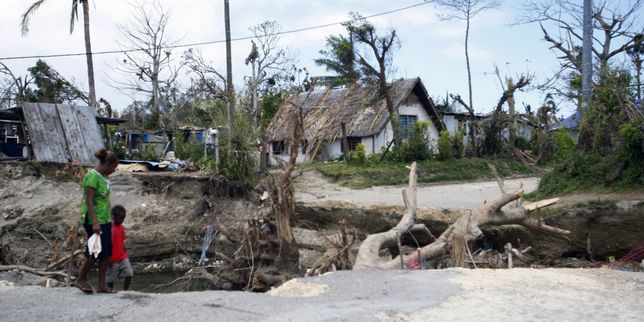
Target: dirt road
pixel 445 295
pixel 314 188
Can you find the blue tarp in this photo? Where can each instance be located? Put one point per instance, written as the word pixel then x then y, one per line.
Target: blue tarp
pixel 152 165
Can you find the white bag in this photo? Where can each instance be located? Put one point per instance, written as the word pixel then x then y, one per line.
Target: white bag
pixel 94 245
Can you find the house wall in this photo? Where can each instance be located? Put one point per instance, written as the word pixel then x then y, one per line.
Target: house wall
pixel 414 107
pixel 524 130
pixel 285 155
pixel 451 123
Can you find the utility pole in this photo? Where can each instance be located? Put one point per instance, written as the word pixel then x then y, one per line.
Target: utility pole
pixel 229 74
pixel 587 58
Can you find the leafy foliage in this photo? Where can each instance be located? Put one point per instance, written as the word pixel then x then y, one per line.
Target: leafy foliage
pixel 359 156
pixel 339 57
pixel 445 151
pixel 416 148
pixel 51 87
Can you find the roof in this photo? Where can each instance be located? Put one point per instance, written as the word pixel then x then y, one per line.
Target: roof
pixel 570 122
pixel 15 114
pixel 359 106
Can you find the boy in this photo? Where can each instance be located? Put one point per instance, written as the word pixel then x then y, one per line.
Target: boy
pixel 121 267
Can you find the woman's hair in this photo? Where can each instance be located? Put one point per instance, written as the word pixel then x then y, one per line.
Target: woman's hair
pixel 106 157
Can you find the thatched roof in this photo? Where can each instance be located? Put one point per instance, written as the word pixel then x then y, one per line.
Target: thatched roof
pixel 359 106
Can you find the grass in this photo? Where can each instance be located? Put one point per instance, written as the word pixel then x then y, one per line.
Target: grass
pixel 589 173
pixel 430 171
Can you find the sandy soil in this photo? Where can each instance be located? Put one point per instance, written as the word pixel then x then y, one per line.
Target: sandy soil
pixel 314 188
pixel 537 295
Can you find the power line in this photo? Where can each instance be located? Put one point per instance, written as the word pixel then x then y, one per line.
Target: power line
pixel 203 43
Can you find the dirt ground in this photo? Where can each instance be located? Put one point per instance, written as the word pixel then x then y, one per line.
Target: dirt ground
pixel 313 188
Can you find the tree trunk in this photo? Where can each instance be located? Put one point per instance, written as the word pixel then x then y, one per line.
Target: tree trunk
pixel 229 76
pixel 453 240
pixel 393 113
pixel 587 57
pixel 513 116
pixel 156 111
pixel 345 142
pixel 88 55
pixel 288 258
pixel 473 125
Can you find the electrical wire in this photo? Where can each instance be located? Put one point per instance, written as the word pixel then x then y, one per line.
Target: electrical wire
pixel 203 43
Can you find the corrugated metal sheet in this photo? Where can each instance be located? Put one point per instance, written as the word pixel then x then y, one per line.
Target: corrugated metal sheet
pixel 62 133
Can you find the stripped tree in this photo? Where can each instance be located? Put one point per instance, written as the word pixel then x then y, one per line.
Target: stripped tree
pixel 381 47
pixel 466 10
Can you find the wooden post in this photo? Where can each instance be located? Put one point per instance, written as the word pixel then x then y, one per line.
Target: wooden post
pixel 345 143
pixel 71 257
pixel 400 252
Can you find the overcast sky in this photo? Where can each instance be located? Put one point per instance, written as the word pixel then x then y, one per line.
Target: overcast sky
pixel 430 48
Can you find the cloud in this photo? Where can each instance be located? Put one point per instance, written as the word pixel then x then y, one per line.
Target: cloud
pixel 457 52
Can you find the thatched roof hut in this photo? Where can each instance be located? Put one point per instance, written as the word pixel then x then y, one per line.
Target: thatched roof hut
pixel 359 106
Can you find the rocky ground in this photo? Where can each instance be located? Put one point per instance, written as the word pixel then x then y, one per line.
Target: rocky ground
pixel 446 295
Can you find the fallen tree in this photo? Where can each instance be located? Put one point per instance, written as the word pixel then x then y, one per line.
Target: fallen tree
pixel 453 242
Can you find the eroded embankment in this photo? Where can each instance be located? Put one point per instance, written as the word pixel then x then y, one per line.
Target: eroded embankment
pixel 168 215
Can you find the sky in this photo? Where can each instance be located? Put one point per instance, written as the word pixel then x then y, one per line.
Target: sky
pixel 430 48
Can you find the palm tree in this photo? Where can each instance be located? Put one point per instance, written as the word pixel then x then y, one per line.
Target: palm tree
pixel 339 57
pixel 24 23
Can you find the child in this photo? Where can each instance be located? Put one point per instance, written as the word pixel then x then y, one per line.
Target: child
pixel 121 267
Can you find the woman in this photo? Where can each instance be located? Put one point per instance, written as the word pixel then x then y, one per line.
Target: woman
pixel 96 218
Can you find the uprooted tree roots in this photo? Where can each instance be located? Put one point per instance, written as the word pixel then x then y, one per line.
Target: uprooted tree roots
pixel 261 252
pixel 453 242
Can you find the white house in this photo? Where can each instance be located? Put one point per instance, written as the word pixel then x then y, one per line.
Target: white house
pixel 363 111
pixel 460 122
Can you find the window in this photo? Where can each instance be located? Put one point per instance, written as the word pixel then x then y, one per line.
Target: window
pixel 353 142
pixel 305 146
pixel 407 125
pixel 461 126
pixel 278 147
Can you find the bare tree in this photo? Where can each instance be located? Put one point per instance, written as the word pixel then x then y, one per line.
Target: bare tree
pixel 466 10
pixel 268 61
pixel 635 55
pixel 148 65
pixel 379 48
pixel 616 23
pixel 13 89
pixel 207 81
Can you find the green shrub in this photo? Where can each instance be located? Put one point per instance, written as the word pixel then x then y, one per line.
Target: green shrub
pixel 359 156
pixel 445 150
pixel 522 143
pixel 564 144
pixel 416 148
pixel 186 150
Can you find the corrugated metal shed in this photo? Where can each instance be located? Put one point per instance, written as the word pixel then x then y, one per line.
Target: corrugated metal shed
pixel 62 133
